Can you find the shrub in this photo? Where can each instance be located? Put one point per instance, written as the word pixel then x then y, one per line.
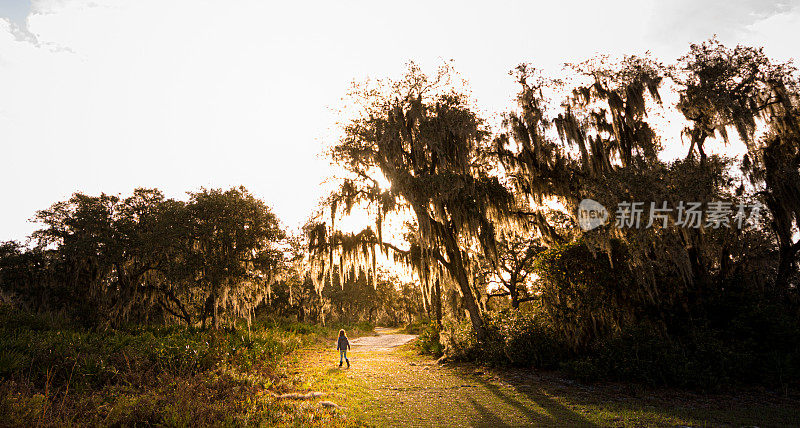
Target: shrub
pixel 701 359
pixel 459 341
pixel 741 338
pixel 512 338
pixel 429 340
pixel 523 339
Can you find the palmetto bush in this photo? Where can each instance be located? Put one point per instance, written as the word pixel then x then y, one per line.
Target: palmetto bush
pixel 429 340
pixel 524 339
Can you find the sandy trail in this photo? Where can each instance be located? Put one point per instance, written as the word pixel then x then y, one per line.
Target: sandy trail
pixel 387 338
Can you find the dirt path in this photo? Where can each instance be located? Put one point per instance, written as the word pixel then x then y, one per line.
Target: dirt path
pixel 386 338
pixel 416 391
pixel 388 384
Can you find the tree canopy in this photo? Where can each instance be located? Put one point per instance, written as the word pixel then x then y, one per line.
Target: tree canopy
pixel 477 197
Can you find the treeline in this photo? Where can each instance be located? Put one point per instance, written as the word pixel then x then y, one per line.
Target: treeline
pixel 145 258
pixel 389 301
pixel 219 257
pixel 649 294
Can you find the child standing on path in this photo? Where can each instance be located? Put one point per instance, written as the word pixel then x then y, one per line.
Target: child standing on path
pixel 342 346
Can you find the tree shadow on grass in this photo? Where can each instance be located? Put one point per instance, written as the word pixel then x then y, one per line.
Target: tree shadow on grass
pixel 557 413
pixel 488 419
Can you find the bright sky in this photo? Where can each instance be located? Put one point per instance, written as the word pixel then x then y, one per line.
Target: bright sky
pixel 106 96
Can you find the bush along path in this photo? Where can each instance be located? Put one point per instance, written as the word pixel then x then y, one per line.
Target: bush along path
pixel 390 384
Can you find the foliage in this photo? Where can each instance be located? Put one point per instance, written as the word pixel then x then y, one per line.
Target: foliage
pixel 513 267
pixel 111 261
pixel 428 341
pixel 582 293
pixel 417 326
pixel 757 344
pixel 233 251
pixel 423 136
pixel 45 351
pixel 388 301
pixel 516 338
pixel 739 337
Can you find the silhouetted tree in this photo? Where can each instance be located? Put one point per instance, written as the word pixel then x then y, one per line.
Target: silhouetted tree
pixel 133 258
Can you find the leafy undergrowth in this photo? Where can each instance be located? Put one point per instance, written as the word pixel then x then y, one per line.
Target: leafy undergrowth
pixel 56 374
pixel 53 374
pixel 417 326
pixel 399 387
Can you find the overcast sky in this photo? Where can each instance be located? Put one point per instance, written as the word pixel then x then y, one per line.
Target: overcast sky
pixel 106 96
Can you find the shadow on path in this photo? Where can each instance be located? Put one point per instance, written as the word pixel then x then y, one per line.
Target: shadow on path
pixel 557 413
pixel 488 419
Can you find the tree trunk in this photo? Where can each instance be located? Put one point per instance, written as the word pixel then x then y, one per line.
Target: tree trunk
pixel 206 309
pixel 474 311
pixel 214 317
pixel 513 291
pixel 459 273
pixel 514 295
pixel 785 267
pixel 438 302
pixel 468 299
